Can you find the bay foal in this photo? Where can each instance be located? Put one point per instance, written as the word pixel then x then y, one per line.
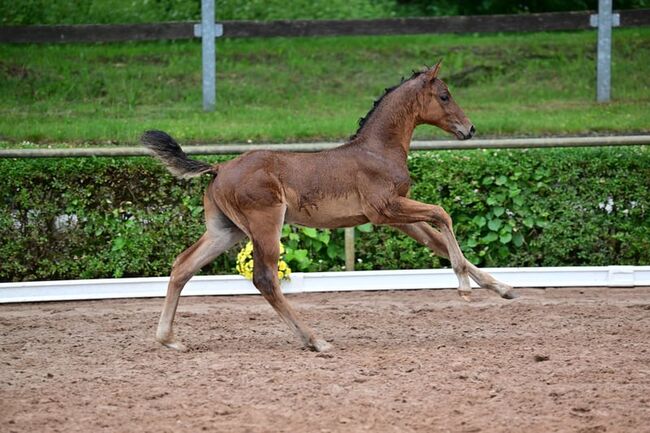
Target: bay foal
pixel 364 180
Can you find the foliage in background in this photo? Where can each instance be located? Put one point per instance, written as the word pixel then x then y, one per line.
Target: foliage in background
pixel 482 7
pixel 92 218
pixel 557 207
pixel 142 11
pixel 309 249
pixel 27 12
pixel 283 90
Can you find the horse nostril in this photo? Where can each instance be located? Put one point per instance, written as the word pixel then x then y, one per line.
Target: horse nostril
pixel 472 130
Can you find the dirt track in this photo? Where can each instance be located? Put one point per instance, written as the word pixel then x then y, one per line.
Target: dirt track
pixel 553 360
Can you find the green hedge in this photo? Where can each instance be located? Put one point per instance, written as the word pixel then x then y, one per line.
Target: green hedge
pixel 92 218
pixel 543 207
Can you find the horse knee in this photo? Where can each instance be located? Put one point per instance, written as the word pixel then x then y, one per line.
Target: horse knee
pixel 264 280
pixel 179 276
pixel 440 217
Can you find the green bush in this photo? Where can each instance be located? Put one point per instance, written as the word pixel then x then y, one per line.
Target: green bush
pixel 93 218
pixel 552 207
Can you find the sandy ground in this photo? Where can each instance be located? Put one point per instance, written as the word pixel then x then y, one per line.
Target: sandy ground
pixel 554 360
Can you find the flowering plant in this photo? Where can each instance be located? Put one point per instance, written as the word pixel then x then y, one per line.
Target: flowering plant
pixel 245 263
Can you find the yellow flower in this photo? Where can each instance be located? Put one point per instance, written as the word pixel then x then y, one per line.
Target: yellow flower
pixel 245 263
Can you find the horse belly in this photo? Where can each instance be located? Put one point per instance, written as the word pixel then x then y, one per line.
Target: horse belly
pixel 327 213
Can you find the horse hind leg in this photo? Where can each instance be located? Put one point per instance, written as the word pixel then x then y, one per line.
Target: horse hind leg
pixel 487 281
pixel 221 235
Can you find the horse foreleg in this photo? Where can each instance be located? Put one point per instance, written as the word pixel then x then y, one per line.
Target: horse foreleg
pixel 426 235
pixel 266 252
pixel 401 210
pixel 266 280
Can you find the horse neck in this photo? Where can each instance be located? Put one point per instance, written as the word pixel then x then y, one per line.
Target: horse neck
pixel 391 125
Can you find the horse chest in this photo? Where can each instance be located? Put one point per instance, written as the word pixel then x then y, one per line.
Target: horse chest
pixel 385 175
pixel 390 183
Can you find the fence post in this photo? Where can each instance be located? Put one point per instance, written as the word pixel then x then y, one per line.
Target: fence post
pixel 208 30
pixel 605 20
pixel 349 249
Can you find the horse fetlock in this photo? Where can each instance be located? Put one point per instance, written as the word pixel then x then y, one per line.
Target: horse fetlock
pixel 510 294
pixel 465 294
pixel 319 345
pixel 175 345
pixel 163 334
pixel 506 291
pixel 463 281
pixel 166 338
pixel 464 287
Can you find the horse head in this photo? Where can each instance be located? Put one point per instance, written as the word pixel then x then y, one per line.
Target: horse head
pixel 438 108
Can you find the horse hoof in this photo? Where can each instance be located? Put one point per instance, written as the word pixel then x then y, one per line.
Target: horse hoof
pixel 321 346
pixel 510 294
pixel 465 295
pixel 176 346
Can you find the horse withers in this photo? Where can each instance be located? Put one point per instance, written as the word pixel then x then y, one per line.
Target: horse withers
pixel 364 180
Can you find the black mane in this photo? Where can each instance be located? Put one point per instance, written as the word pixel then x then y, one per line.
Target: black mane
pixel 363 120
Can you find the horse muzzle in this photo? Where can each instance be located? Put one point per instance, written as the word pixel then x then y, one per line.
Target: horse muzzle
pixel 464 133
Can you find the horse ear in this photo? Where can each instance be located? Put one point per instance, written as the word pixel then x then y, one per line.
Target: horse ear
pixel 432 73
pixel 436 69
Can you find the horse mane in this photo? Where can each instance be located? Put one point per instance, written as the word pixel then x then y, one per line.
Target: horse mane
pixel 364 119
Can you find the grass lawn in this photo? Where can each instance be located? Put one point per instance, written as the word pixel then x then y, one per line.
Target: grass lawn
pixel 284 90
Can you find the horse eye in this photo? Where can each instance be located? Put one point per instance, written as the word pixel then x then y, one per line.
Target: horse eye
pixel 444 98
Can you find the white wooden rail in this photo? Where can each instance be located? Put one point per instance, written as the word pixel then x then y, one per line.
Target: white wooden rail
pixel 233 149
pixel 604 276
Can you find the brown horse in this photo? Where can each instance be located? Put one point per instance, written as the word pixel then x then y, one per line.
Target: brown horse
pixel 366 179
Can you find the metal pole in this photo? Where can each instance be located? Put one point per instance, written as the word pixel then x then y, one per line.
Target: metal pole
pixel 605 20
pixel 349 249
pixel 208 53
pixel 604 49
pixel 234 149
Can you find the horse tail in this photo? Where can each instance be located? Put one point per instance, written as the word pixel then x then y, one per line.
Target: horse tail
pixel 168 151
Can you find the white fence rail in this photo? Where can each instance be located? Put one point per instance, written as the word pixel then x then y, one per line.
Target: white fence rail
pixel 233 149
pixel 604 276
